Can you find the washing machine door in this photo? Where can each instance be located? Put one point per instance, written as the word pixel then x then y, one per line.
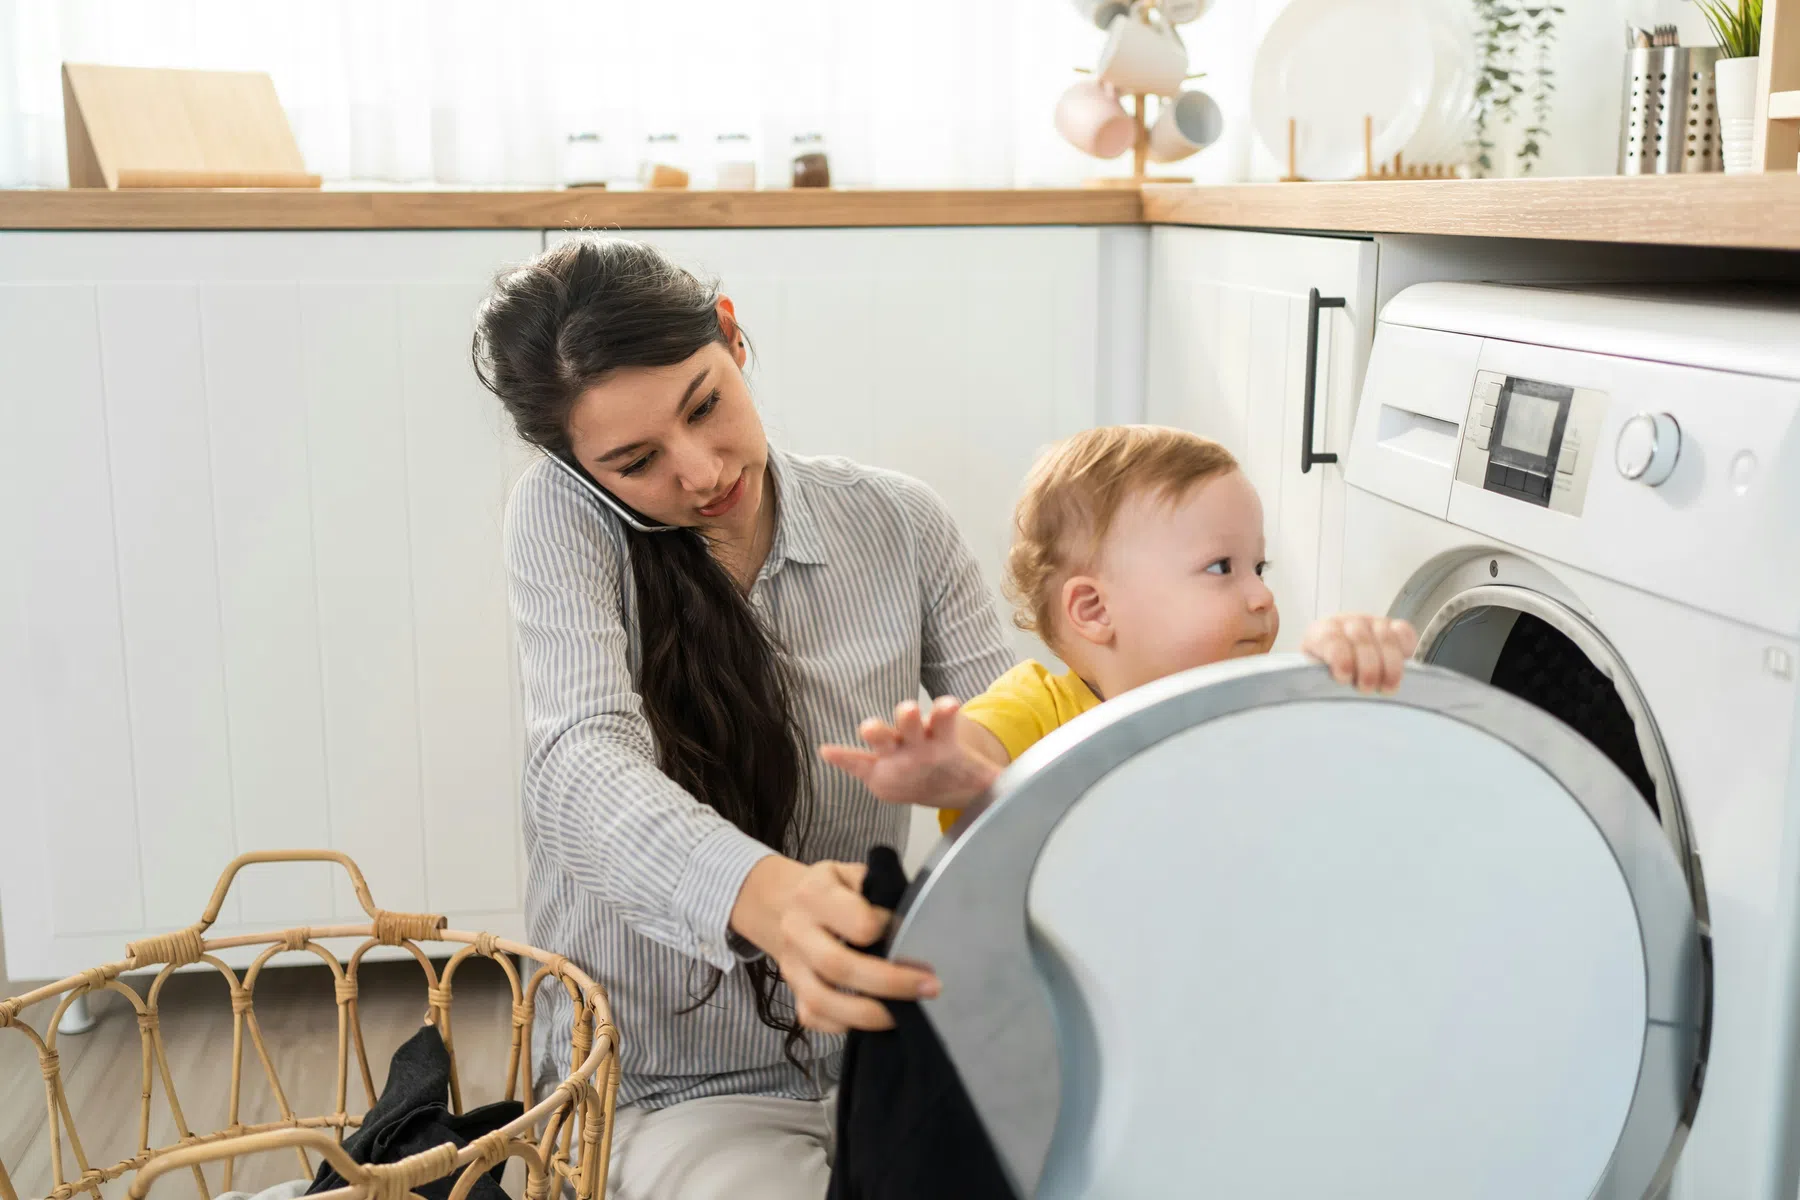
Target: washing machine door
pixel 1247 933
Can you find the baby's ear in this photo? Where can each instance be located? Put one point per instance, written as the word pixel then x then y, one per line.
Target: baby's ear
pixel 1084 610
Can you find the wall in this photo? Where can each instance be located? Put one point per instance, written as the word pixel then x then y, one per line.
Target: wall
pixel 1590 78
pixel 1587 61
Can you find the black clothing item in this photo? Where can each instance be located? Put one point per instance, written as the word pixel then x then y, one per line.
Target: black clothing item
pixel 413 1114
pixel 1541 665
pixel 905 1127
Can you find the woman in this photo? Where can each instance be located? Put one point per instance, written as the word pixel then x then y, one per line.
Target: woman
pixel 685 845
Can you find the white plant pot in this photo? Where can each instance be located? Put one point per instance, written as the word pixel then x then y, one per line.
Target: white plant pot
pixel 1734 82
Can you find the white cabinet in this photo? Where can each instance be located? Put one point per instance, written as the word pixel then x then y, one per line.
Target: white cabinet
pixel 251 589
pixel 250 583
pixel 954 355
pixel 1227 347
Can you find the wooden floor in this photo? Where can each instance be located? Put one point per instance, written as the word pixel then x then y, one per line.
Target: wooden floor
pixel 102 1068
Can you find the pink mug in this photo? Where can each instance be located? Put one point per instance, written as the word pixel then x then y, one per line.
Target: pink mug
pixel 1091 119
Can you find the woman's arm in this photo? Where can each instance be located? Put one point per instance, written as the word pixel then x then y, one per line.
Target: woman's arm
pixel 595 799
pixel 597 803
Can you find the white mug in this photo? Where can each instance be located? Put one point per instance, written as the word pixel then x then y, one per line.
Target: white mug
pixel 1142 56
pixel 1090 118
pixel 1188 122
pixel 1100 13
pixel 1180 12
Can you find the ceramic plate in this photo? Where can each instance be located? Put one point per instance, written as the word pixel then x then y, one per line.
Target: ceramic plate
pixel 1445 134
pixel 1325 63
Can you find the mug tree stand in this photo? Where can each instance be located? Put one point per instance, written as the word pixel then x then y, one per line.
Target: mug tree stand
pixel 1140 155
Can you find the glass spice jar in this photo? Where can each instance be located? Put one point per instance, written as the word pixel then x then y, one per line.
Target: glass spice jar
pixel 812 169
pixel 661 166
pixel 734 167
pixel 584 162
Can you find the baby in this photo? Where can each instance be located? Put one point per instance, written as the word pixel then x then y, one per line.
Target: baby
pixel 1137 553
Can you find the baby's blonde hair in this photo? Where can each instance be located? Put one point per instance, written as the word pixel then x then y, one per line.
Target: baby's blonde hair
pixel 1074 492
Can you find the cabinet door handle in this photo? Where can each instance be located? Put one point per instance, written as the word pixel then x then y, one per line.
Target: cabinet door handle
pixel 1314 302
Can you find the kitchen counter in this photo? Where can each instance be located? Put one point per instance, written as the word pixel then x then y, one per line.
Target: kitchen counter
pixel 94 208
pixel 1757 211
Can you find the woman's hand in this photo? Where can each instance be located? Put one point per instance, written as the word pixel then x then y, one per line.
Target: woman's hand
pixel 802 916
pixel 1367 652
pixel 919 759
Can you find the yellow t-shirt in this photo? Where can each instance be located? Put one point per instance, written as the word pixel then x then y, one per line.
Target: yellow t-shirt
pixel 1021 707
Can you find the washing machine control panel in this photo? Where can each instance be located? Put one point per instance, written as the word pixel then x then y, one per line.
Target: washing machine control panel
pixel 1531 439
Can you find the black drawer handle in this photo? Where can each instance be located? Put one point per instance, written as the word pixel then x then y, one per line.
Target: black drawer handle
pixel 1314 302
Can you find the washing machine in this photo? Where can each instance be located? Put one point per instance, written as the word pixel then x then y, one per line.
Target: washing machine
pixel 1591 501
pixel 1527 927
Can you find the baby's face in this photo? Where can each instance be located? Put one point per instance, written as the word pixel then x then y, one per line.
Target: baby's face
pixel 1183 581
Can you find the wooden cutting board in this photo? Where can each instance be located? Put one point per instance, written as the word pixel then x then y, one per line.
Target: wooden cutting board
pixel 144 127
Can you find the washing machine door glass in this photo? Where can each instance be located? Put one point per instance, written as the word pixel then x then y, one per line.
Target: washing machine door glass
pixel 1247 933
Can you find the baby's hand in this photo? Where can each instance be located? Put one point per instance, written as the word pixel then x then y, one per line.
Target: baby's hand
pixel 916 760
pixel 1369 652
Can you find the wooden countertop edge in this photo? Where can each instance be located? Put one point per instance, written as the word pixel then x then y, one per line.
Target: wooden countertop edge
pixel 98 209
pixel 1756 211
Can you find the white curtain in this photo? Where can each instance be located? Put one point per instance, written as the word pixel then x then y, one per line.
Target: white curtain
pixel 922 93
pixel 919 93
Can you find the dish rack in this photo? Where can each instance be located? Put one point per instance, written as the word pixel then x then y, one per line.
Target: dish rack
pixel 565 1140
pixel 1398 169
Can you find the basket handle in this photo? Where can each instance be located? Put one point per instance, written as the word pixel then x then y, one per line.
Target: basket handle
pixel 186 945
pixel 267 856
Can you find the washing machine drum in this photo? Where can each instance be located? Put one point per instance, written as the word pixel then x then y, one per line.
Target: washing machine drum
pixel 1246 933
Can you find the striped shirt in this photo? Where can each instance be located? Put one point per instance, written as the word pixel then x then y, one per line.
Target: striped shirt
pixel 871 591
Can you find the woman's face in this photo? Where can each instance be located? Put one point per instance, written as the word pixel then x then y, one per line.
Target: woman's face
pixel 681 444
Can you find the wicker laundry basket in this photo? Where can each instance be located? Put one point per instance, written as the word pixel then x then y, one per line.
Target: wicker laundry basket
pixel 564 1140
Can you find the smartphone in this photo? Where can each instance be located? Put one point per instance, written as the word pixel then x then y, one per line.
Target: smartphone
pixel 632 517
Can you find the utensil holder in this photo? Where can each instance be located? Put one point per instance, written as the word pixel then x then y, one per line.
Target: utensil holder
pixel 1670 123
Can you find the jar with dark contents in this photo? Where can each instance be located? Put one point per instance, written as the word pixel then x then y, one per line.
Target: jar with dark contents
pixel 811 168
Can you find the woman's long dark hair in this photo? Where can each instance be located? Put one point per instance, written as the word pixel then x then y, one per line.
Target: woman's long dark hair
pixel 715 688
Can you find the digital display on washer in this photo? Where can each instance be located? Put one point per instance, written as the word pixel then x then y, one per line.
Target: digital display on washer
pixel 1531 419
pixel 1528 422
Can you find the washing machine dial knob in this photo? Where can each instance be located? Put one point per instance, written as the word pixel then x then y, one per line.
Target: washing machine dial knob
pixel 1648 447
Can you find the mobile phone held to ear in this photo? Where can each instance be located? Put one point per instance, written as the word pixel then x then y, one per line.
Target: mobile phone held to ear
pixel 632 518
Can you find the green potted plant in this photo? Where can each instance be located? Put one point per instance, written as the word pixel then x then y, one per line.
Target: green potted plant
pixel 1513 82
pixel 1737 25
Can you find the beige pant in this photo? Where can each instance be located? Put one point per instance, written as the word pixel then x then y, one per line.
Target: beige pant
pixel 724 1148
